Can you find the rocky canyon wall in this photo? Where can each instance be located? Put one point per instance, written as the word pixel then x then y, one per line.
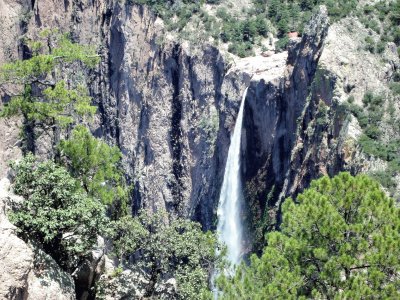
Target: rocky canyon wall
pixel 171 109
pixel 170 112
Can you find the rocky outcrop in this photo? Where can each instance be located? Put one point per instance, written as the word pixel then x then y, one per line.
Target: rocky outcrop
pixel 15 256
pixel 171 110
pixel 129 284
pixel 27 272
pixel 297 127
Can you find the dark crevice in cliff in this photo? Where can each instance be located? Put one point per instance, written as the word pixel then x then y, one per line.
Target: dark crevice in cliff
pixel 106 18
pixel 66 5
pixel 193 79
pixel 176 132
pixel 116 76
pixel 143 128
pixel 137 203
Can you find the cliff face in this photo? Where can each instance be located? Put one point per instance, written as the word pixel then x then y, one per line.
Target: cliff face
pixel 171 110
pixel 160 105
pixel 276 113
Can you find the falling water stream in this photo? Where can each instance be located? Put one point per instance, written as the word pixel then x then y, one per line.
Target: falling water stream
pixel 230 229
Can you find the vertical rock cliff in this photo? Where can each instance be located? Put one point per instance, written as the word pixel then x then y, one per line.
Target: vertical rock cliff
pixel 171 110
pixel 159 104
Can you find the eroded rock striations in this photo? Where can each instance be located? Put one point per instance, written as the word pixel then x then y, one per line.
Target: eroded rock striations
pixel 171 110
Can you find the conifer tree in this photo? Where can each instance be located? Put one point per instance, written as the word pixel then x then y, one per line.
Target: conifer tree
pixel 339 239
pixel 46 100
pixel 98 167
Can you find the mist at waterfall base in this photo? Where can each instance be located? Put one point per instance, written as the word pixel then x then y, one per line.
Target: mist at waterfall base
pixel 230 227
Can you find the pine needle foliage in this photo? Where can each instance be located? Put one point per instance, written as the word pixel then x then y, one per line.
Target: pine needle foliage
pixel 339 240
pixel 45 99
pixel 98 167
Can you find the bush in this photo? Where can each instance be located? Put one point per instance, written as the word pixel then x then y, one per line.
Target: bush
pixel 56 212
pixel 370 44
pixel 160 250
pixel 395 88
pixel 282 43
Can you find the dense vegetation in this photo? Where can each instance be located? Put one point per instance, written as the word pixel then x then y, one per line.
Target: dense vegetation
pixel 56 212
pixel 244 29
pixel 177 250
pixel 339 239
pixel 380 137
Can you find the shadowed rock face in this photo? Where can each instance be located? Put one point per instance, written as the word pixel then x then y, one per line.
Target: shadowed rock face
pixel 172 111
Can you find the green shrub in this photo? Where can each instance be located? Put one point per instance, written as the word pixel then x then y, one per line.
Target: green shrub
pixel 370 44
pixel 395 88
pixel 380 47
pixel 160 250
pixel 282 43
pixel 56 212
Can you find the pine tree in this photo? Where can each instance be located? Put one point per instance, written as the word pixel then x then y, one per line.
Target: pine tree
pixel 47 101
pixel 339 239
pixel 98 167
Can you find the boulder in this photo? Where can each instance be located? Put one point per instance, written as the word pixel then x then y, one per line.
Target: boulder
pixel 27 272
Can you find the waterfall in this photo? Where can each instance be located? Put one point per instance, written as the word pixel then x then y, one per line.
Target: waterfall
pixel 229 227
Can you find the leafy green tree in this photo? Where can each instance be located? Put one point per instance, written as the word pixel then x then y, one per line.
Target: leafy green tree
pixel 340 239
pixel 98 166
pixel 179 249
pixel 46 101
pixel 274 6
pixel 55 213
pixel 395 12
pixel 283 23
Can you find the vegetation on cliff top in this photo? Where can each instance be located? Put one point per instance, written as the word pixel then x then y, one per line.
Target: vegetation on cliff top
pixel 245 28
pixel 338 239
pixel 380 138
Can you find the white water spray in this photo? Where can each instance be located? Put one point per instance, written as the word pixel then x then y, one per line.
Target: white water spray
pixel 229 227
